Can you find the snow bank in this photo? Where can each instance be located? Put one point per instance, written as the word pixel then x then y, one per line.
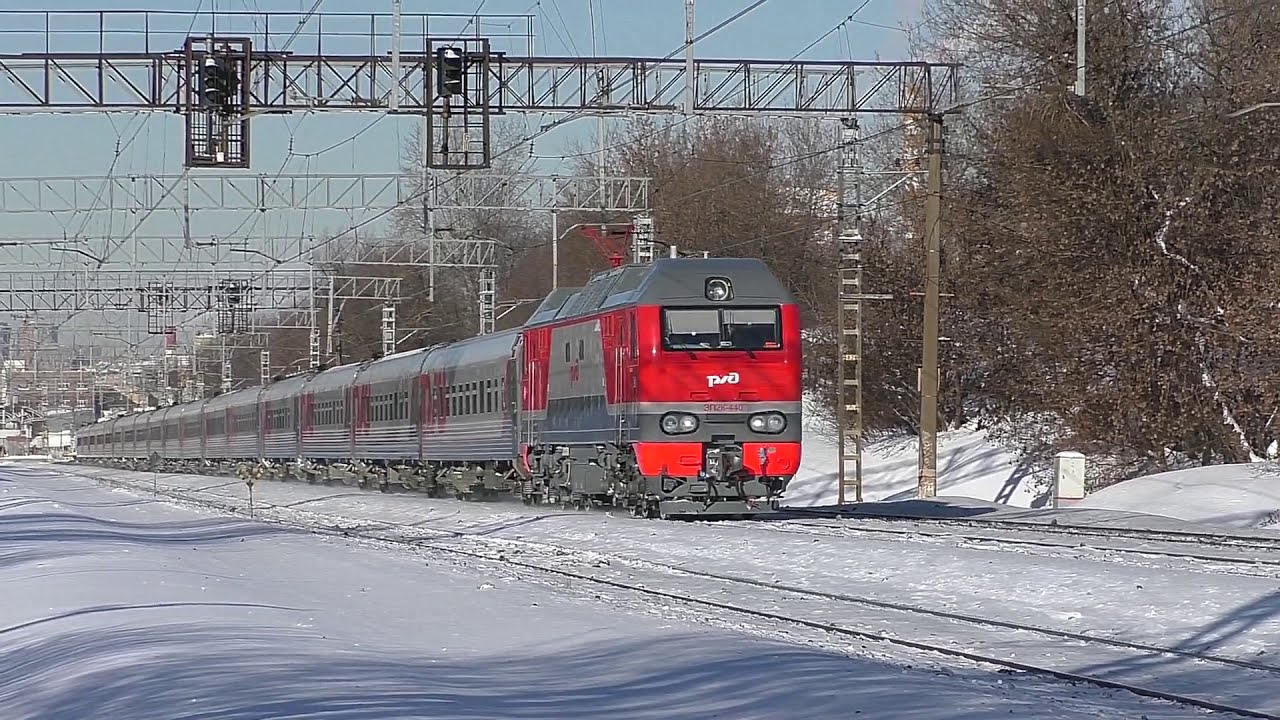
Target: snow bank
pixel 119 606
pixel 1244 495
pixel 970 465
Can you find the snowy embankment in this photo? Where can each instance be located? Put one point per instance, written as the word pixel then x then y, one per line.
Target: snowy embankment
pixel 969 465
pixel 121 606
pixel 1244 495
pixel 973 465
pixel 1168 604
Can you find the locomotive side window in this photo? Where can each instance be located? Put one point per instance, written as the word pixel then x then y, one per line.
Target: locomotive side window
pixel 722 329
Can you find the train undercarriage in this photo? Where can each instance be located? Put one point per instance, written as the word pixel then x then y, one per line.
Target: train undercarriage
pixel 577 478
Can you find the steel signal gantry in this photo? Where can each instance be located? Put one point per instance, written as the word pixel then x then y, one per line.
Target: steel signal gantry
pixel 477 82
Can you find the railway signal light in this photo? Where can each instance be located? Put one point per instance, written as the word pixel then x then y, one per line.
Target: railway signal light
pixel 450 71
pixel 219 83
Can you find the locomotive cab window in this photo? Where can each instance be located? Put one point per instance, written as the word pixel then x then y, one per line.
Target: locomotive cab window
pixel 722 328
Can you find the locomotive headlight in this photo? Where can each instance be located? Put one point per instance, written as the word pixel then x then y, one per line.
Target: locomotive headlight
pixel 679 423
pixel 768 422
pixel 718 290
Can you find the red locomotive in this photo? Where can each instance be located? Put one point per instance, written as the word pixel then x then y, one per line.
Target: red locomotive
pixel 666 388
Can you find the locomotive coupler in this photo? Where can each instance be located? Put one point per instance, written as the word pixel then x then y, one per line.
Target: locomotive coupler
pixel 722 461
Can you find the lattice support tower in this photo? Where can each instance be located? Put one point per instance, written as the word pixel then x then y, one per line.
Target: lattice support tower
pixel 313 345
pixel 849 410
pixel 226 368
pixel 642 239
pixel 487 300
pixel 264 367
pixel 388 329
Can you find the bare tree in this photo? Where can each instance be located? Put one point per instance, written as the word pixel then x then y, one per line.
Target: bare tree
pixel 1110 255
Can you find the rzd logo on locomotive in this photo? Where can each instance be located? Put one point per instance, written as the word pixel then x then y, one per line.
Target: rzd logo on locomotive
pixel 730 379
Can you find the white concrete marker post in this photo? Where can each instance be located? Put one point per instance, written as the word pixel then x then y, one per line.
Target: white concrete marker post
pixel 1068 478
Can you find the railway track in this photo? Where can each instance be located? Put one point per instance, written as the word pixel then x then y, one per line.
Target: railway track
pixel 1186 537
pixel 1260 561
pixel 1240 687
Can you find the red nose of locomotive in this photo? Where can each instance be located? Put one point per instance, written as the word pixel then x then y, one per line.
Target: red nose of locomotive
pixel 720 393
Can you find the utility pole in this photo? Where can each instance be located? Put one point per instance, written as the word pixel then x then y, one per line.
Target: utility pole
pixel 393 100
pixel 934 149
pixel 428 216
pixel 600 123
pixel 690 80
pixel 555 249
pixel 849 332
pixel 1082 12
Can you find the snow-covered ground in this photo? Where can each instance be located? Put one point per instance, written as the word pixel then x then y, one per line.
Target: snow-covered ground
pixel 1243 495
pixel 123 606
pixel 969 465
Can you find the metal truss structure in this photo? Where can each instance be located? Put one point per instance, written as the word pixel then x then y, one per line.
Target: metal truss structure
pixel 158 294
pixel 131 81
pixel 224 192
pixel 189 195
pixel 478 191
pixel 144 69
pixel 469 253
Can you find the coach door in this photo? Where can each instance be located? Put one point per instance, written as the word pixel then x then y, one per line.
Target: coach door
pixel 514 378
pixel 618 358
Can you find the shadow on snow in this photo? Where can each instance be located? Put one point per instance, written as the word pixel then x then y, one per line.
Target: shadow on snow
pixel 177 672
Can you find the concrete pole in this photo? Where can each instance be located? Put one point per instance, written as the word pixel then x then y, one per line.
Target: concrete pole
pixel 690 85
pixel 928 479
pixel 1082 13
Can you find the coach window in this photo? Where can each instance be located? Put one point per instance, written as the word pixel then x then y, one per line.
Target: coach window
pixel 582 348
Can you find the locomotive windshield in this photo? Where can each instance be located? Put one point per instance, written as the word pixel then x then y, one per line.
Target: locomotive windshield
pixel 721 329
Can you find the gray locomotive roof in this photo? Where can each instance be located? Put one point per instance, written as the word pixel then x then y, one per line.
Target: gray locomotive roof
pixel 167 413
pixel 335 378
pixel 235 398
pixel 286 387
pixel 549 307
pixel 667 281
pixel 408 363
